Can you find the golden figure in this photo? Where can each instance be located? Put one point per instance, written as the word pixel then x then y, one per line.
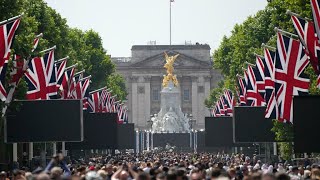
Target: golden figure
pixel 169 66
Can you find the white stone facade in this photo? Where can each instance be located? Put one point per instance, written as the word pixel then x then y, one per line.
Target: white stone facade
pixel 144 72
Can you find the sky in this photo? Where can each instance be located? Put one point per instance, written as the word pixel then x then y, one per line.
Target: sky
pixel 123 23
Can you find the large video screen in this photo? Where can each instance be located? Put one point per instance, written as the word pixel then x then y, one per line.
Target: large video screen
pixel 100 132
pixel 250 125
pixel 126 136
pixel 218 132
pixel 306 113
pixel 45 121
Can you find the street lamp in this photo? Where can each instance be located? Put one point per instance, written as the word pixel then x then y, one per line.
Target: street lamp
pixel 191 121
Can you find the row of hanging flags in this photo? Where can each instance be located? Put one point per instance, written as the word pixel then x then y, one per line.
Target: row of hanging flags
pixel 279 74
pixel 48 78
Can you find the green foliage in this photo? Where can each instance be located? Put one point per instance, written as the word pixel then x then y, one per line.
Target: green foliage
pixel 284 135
pixel 117 84
pixel 83 47
pixel 246 39
pixel 214 95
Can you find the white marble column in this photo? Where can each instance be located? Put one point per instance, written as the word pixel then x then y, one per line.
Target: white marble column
pixel 134 100
pixel 195 99
pixel 140 105
pixel 207 80
pixel 129 98
pixel 147 99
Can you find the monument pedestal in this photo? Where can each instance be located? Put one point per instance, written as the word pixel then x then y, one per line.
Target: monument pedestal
pixel 170 118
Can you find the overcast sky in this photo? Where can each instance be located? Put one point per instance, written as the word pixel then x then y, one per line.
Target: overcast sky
pixel 123 23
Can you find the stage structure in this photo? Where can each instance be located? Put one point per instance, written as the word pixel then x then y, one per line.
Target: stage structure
pixel 170 118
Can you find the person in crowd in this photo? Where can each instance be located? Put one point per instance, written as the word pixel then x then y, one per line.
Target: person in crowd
pixel 148 168
pixel 166 165
pixel 3 175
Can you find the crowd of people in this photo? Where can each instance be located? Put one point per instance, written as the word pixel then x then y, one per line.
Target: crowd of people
pixel 166 166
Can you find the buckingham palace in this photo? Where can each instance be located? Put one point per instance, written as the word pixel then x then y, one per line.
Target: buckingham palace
pixel 143 73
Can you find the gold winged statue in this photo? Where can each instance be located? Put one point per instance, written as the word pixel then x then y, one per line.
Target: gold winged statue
pixel 169 66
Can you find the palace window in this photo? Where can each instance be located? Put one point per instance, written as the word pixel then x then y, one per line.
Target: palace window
pixel 186 95
pixel 155 95
pixel 200 89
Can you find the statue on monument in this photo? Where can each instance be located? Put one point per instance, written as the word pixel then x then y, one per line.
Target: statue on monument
pixel 170 117
pixel 169 66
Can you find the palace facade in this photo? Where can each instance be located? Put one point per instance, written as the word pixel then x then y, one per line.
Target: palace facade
pixel 144 71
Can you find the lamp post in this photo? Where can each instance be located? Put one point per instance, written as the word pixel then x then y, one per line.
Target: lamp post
pixel 137 142
pixel 191 121
pixel 150 133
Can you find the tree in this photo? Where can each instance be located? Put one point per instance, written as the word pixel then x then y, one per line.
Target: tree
pixel 83 47
pixel 117 84
pixel 246 39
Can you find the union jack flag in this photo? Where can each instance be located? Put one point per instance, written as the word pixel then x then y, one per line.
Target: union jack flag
pixel 316 15
pixel 113 104
pixel 269 71
pixel 125 114
pixel 290 79
pixel 20 65
pixel 259 75
pixel 248 89
pixel 105 98
pixel 308 38
pixel 7 34
pixel 84 86
pixel 254 98
pixel 216 110
pixel 85 101
pixel 94 102
pixel 222 106
pixel 41 78
pixel 75 87
pixel 36 42
pixel 65 91
pixel 228 96
pixel 121 114
pixel 60 66
pixel 18 70
pixel 242 91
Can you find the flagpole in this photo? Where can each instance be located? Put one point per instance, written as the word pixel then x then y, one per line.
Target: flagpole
pixel 285 32
pixel 298 15
pixel 62 59
pixel 249 63
pixel 47 50
pixel 80 72
pixel 67 68
pixel 11 19
pixel 268 47
pixel 170 20
pixel 82 79
pixel 98 90
pixel 258 55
